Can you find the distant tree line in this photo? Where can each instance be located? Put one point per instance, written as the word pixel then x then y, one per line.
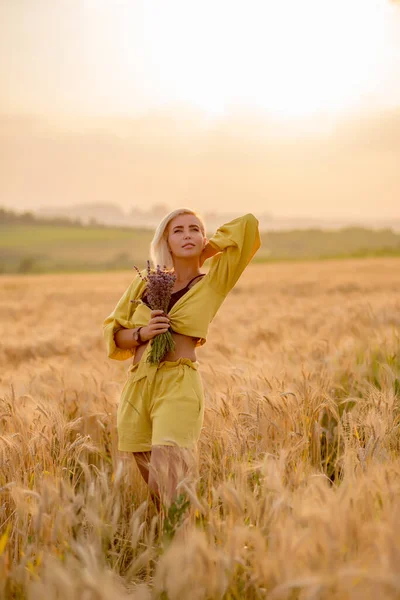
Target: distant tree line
pixel 9 217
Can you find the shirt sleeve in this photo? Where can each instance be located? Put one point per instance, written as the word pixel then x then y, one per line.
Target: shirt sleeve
pixel 237 241
pixel 121 317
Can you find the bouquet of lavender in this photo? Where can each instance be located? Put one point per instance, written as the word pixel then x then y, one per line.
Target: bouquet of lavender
pixel 159 288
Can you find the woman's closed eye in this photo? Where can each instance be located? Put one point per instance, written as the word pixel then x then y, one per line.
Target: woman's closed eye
pixel 180 229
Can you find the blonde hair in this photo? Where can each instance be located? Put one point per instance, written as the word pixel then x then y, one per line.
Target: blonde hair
pixel 159 252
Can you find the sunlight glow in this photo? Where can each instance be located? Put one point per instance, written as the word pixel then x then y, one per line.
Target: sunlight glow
pixel 288 58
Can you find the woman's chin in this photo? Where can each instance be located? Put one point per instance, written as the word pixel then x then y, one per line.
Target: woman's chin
pixel 192 254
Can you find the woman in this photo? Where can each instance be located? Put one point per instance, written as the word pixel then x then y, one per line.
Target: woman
pixel 161 407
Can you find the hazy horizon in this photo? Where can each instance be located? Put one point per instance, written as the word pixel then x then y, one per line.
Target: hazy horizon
pixel 345 173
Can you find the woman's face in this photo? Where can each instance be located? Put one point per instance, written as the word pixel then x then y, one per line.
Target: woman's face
pixel 185 237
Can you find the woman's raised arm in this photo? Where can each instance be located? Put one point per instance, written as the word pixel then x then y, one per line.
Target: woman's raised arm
pixel 236 243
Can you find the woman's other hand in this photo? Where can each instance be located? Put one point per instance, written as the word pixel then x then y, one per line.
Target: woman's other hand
pixel 159 323
pixel 208 252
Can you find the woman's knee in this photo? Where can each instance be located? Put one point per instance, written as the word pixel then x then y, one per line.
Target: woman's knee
pixel 164 468
pixel 169 465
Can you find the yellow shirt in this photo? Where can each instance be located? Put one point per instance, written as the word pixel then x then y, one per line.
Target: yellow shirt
pixel 236 242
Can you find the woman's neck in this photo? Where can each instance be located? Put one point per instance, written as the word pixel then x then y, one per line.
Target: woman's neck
pixel 186 272
pixel 184 279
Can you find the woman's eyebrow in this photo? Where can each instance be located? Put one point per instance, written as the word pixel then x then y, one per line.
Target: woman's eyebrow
pixel 181 226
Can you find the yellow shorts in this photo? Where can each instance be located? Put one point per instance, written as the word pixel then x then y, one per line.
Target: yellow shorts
pixel 166 411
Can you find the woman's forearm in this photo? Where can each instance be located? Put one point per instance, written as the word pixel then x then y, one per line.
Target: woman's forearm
pixel 124 339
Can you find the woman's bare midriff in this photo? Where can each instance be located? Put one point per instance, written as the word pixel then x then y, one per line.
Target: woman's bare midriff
pixel 184 348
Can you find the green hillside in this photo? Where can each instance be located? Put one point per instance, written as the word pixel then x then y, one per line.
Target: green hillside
pixel 39 248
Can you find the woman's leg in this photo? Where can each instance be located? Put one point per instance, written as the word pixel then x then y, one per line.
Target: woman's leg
pixel 143 463
pixel 176 412
pixel 168 466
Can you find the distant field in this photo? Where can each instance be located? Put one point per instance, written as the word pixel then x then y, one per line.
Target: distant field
pixel 38 249
pixel 47 249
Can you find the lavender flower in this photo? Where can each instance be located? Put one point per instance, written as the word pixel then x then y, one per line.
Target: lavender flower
pixel 160 282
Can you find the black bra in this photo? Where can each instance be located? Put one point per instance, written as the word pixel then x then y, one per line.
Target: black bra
pixel 175 295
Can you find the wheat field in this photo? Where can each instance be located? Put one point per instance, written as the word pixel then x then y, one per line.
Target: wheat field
pixel 298 495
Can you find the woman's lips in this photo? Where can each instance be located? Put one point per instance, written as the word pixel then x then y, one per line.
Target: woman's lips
pixel 188 245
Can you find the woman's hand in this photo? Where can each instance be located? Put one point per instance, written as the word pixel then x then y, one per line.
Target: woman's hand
pixel 208 252
pixel 159 323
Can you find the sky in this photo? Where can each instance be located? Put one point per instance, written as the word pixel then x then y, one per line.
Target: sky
pixel 288 106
